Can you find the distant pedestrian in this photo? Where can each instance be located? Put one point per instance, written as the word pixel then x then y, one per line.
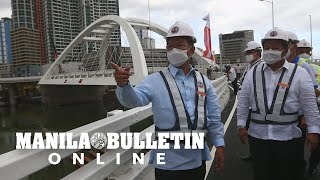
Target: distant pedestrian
pixel 238 69
pixel 232 76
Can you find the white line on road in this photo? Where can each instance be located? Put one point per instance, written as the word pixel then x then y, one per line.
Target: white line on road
pixel 226 125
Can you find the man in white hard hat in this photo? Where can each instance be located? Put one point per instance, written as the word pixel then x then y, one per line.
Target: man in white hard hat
pixel 304 49
pixel 252 52
pixel 304 52
pixel 183 100
pixel 293 57
pixel 275 98
pixel 300 52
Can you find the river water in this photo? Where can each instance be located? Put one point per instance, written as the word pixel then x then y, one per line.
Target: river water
pixel 38 118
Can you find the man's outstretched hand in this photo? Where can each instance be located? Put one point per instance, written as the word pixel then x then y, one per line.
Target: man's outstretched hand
pixel 121 75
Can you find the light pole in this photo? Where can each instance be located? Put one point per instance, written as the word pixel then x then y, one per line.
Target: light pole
pixel 272 10
pixel 311 34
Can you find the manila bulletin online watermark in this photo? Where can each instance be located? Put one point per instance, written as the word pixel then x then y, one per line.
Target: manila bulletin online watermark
pixel 109 141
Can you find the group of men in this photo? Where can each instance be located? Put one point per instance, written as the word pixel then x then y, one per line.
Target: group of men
pixel 277 108
pixel 274 94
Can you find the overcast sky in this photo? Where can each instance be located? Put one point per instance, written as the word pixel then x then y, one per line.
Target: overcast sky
pixel 226 16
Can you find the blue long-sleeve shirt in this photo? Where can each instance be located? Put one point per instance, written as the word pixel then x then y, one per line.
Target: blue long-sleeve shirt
pixel 152 89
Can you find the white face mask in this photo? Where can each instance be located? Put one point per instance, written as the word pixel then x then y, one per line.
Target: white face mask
pixel 249 57
pixel 289 52
pixel 305 56
pixel 177 57
pixel 271 56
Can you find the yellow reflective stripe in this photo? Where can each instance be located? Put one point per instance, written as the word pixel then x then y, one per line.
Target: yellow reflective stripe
pixel 301 61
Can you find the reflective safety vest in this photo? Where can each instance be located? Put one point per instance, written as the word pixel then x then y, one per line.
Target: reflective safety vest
pixel 316 70
pixel 183 121
pixel 275 114
pixel 247 70
pixel 301 61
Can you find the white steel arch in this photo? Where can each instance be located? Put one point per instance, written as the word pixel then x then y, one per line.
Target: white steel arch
pixel 138 58
pixel 140 67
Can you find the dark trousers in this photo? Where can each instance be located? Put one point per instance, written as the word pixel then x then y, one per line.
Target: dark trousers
pixel 302 142
pixel 194 174
pixel 235 86
pixel 277 160
pixel 314 159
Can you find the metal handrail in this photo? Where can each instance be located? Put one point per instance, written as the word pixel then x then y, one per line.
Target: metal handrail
pixel 21 159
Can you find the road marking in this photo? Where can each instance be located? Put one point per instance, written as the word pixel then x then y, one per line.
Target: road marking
pixel 225 127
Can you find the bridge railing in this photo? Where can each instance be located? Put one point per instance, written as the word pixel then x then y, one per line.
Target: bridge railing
pixel 18 164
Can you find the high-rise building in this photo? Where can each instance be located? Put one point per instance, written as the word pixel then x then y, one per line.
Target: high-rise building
pixel 25 38
pixel 65 19
pixel 5 48
pixel 5 41
pixel 232 46
pixel 61 25
pixel 146 42
pixel 95 9
pixel 142 33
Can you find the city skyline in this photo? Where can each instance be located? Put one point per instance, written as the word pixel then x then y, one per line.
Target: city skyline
pixel 249 14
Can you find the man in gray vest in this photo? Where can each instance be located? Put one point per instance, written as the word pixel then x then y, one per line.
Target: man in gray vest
pixel 183 100
pixel 252 52
pixel 276 90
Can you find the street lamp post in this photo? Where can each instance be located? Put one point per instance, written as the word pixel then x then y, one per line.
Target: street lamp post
pixel 271 2
pixel 311 33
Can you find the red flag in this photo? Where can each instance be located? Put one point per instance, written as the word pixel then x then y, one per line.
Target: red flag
pixel 207 39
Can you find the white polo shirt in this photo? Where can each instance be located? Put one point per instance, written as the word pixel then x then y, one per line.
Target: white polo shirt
pixel 301 95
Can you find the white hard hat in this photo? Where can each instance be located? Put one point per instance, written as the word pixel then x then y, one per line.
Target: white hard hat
pixel 252 45
pixel 304 44
pixel 277 34
pixel 180 28
pixel 292 36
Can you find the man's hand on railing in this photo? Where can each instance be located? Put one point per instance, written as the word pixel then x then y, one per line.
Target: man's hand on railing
pixel 121 75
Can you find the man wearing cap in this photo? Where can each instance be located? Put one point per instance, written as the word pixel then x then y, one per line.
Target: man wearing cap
pixel 276 90
pixel 252 52
pixel 183 100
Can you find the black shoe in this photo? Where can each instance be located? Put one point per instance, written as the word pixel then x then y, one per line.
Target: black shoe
pixel 313 172
pixel 246 158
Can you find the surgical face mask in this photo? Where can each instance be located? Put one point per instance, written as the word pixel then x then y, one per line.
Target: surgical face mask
pixel 290 51
pixel 272 56
pixel 177 57
pixel 249 57
pixel 305 56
